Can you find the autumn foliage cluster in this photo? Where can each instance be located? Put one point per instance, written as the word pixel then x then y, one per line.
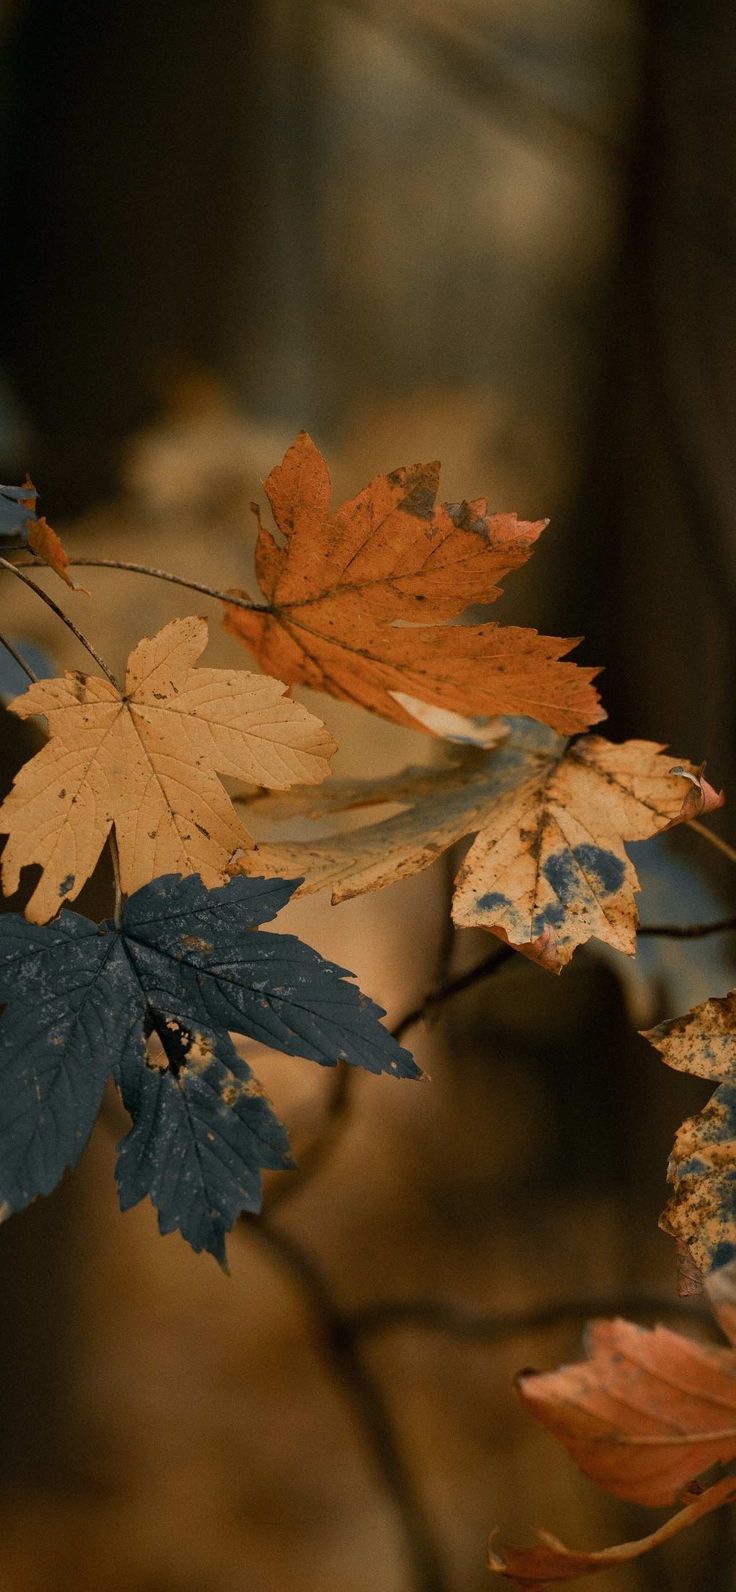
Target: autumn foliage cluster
pixel 370 603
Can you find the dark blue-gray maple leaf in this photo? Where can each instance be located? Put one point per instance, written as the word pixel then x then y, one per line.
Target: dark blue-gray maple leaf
pixel 153 1002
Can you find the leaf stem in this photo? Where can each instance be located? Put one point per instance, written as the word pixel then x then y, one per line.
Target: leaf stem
pixel 160 574
pixel 8 645
pixel 49 601
pixel 713 839
pixel 115 856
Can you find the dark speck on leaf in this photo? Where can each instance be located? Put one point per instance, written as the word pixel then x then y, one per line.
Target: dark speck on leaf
pixel 420 487
pixel 66 885
pixel 419 502
pixel 463 517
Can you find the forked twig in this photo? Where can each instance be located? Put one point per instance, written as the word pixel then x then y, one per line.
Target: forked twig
pixel 341 1348
pixel 14 569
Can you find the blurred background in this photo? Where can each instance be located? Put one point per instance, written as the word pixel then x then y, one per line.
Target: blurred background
pixel 499 234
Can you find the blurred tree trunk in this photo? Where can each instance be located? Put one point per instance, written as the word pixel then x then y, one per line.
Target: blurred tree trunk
pixel 658 507
pixel 123 184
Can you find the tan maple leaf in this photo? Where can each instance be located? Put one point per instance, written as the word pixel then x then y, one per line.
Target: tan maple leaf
pixel 701 1215
pixel 644 1416
pixel 356 600
pixel 144 760
pixel 548 868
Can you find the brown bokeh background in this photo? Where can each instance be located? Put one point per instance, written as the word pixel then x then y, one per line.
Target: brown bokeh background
pixel 503 235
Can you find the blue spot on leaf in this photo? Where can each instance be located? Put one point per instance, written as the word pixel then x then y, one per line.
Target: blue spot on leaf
pixel 552 917
pixel 723 1253
pixel 494 899
pixel 604 871
pixel 607 869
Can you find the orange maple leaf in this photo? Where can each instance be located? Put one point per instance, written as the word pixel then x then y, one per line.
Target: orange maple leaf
pixel 45 542
pixel 356 600
pixel 644 1416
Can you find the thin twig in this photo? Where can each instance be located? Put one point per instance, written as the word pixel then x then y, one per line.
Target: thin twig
pixel 49 601
pixel 21 662
pixel 454 986
pixel 339 1100
pixel 686 931
pixel 470 1326
pixel 713 839
pixel 341 1347
pixel 159 574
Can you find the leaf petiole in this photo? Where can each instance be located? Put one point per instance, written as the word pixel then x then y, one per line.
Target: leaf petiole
pixel 115 857
pixel 5 563
pixel 160 574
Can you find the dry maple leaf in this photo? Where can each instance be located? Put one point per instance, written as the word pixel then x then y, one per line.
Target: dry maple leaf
pixel 145 760
pixel 46 544
pixel 702 1212
pixel 548 868
pixel 645 1415
pixel 356 600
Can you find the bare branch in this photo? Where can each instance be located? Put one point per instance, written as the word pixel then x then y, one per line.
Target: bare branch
pixel 340 1345
pixel 686 931
pixel 471 1326
pixel 454 986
